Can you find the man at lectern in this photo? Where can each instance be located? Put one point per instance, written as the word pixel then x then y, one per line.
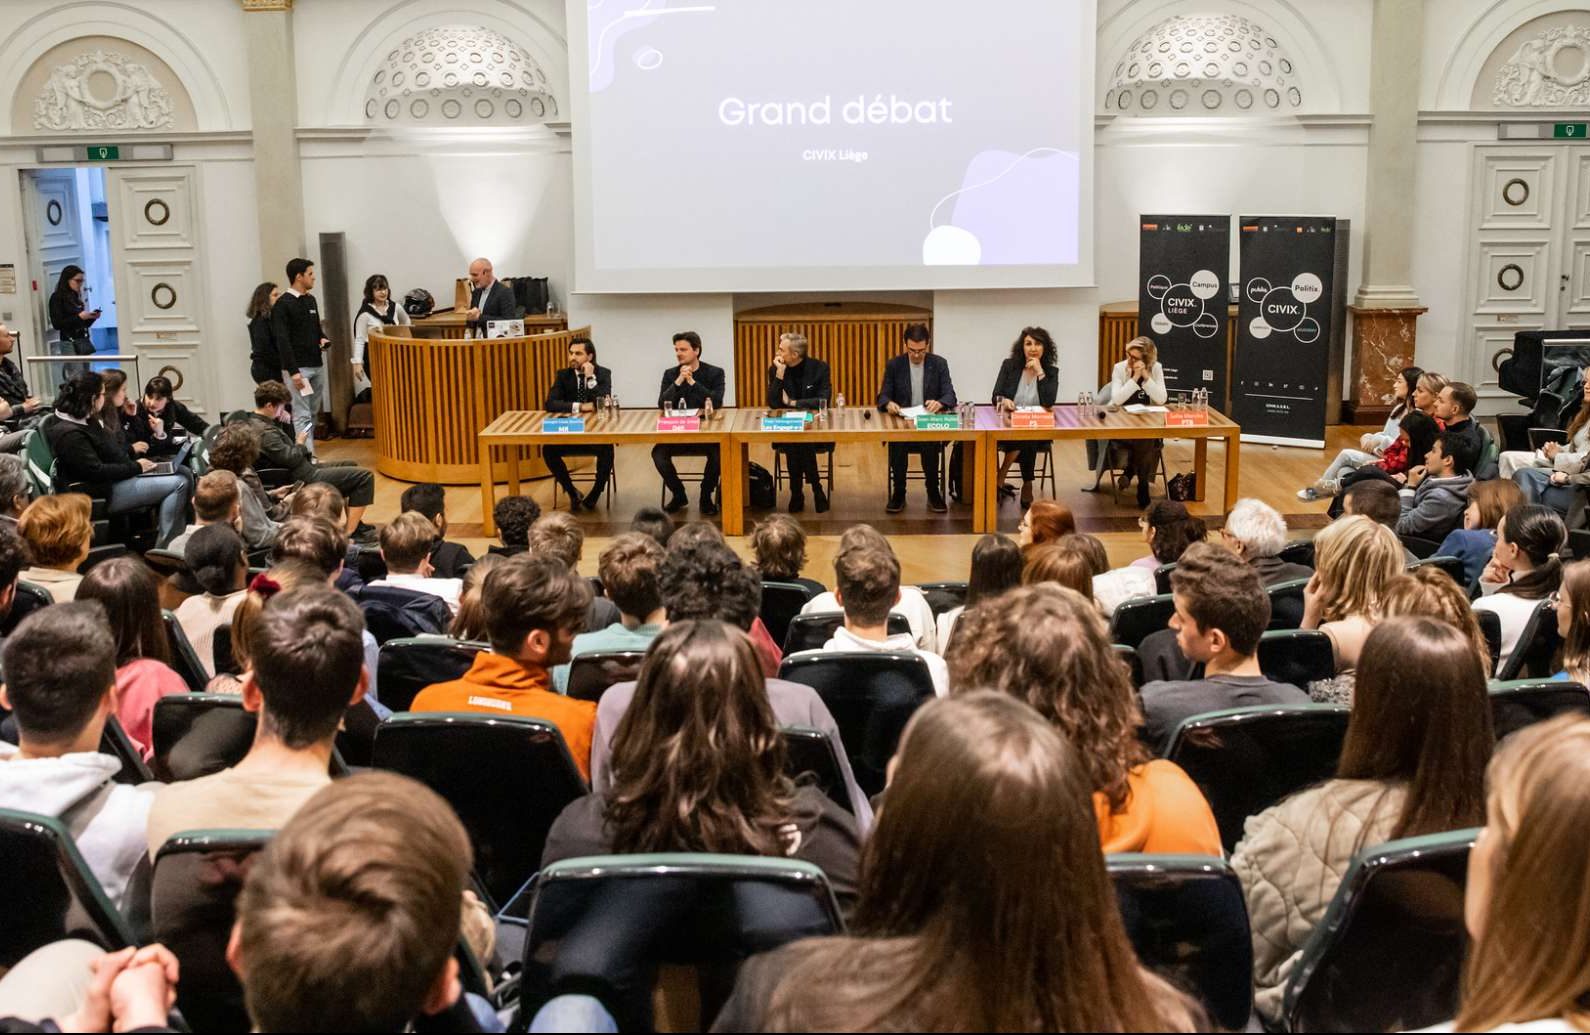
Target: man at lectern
pixel 578 389
pixel 694 384
pixel 490 299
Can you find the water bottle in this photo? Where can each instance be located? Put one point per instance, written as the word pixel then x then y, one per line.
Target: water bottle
pixel 839 400
pixel 706 407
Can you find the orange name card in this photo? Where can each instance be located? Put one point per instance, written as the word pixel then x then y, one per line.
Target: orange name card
pixel 1187 419
pixel 1032 419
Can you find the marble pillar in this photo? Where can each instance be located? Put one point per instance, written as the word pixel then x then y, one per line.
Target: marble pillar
pixel 1383 344
pixel 273 108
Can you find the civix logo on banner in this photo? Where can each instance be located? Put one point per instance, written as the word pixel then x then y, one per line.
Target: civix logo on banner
pixel 1285 309
pixel 1182 305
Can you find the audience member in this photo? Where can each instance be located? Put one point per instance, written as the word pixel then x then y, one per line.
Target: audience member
pixel 1475 541
pixel 1380 503
pixel 429 500
pixel 534 608
pixel 1221 611
pixel 236 451
pixel 216 501
pixel 867 576
pixel 628 569
pixel 1413 763
pixel 216 560
pixel 1453 408
pixel 779 543
pixel 1044 522
pixel 1437 494
pixel 912 605
pixel 323 544
pixel 655 522
pixel 560 536
pixel 1354 558
pixel 1371 445
pixel 1525 569
pixel 60 686
pixel 1429 592
pixel 1256 532
pixel 13 558
pixel 1415 436
pixel 1049 647
pixel 1573 622
pixel 130 595
pixel 470 622
pixel 1062 563
pixel 1168 529
pixel 288 575
pixel 996 567
pixel 74 985
pixel 320 500
pixel 14 494
pixel 406 543
pixel 513 516
pixel 297 456
pixel 58 533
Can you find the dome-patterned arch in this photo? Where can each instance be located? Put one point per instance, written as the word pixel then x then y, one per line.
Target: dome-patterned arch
pixel 455 75
pixel 1204 64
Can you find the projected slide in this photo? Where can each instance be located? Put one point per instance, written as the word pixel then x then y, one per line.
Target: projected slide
pixel 754 144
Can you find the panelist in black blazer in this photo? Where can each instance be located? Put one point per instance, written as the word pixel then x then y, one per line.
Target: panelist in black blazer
pixel 578 389
pixel 1029 376
pixel 490 299
pixel 916 378
pixel 795 382
pixel 696 384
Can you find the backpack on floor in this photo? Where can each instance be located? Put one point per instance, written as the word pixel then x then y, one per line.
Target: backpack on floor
pixel 760 488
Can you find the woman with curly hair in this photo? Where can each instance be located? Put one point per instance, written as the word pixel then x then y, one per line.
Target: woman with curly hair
pixel 1029 376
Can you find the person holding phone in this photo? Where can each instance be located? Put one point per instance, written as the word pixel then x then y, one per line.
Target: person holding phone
pixel 71 317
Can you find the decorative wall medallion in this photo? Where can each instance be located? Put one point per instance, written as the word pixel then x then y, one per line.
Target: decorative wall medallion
pixel 1510 277
pixel 156 212
pixel 102 90
pixel 1515 192
pixel 163 295
pixel 52 213
pixel 173 374
pixel 1550 71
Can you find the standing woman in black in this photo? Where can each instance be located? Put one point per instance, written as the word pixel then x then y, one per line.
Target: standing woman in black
pixel 263 363
pixel 1030 376
pixel 70 315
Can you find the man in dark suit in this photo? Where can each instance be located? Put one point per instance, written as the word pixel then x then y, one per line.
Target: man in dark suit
pixel 917 378
pixel 578 389
pixel 798 383
pixel 697 384
pixel 490 299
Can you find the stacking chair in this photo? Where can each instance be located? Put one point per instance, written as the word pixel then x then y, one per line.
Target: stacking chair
pixel 1247 759
pixel 781 602
pixel 1188 921
pixel 200 734
pixel 1286 604
pixel 1537 645
pixel 52 894
pixel 943 596
pixel 1296 656
pixel 28 599
pixel 585 478
pixel 1043 470
pixel 871 697
pixel 1420 547
pixel 591 674
pixel 183 657
pixel 1133 661
pixel 1453 566
pixel 603 926
pixel 1491 629
pixel 410 664
pixel 811 632
pixel 1136 618
pixel 1300 551
pixel 823 449
pixel 221 650
pixel 1389 953
pixel 1522 702
pixel 115 742
pixel 810 752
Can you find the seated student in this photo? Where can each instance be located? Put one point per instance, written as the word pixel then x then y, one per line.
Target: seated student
pixel 1413 763
pixel 1064 563
pixel 1221 611
pixel 283 578
pixel 779 543
pixel 628 569
pixel 74 985
pixel 912 604
pixel 1044 522
pixel 534 608
pixel 356 484
pixel 406 548
pixel 216 501
pixel 1256 532
pixel 1428 592
pixel 1415 435
pixel 159 415
pixel 1573 622
pixel 513 516
pixel 1379 502
pixel 470 622
pixel 1525 568
pixel 984 789
pixel 1475 541
pixel 868 577
pixel 130 595
pixel 60 666
pixel 58 532
pixel 215 557
pixel 306 669
pixel 320 500
pixel 996 567
pixel 14 492
pixel 1437 493
pixel 323 545
pixel 1168 529
pixel 429 500
pixel 1453 408
pixel 1371 445
pixel 558 535
pixel 1354 559
pixel 236 450
pixel 1049 646
pixel 655 522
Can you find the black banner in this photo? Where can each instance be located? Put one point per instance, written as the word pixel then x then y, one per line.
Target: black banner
pixel 1288 315
pixel 1181 298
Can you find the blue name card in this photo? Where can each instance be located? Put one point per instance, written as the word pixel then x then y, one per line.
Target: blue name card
pixel 795 423
pixel 563 424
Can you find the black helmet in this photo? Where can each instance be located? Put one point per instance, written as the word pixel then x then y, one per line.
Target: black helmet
pixel 419 303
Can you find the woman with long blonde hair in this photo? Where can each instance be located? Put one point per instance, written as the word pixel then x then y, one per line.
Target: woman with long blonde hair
pixel 1354 558
pixel 1573 622
pixel 1138 379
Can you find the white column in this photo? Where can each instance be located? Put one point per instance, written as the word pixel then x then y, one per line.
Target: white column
pixel 1393 150
pixel 273 104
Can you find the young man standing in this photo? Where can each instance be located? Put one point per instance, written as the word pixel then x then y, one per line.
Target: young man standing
pixel 301 344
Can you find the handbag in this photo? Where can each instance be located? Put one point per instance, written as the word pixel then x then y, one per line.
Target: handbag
pixel 760 488
pixel 1182 488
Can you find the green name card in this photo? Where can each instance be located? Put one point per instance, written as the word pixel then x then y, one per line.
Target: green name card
pixel 796 423
pixel 937 421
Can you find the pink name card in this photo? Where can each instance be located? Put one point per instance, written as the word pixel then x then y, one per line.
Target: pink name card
pixel 678 423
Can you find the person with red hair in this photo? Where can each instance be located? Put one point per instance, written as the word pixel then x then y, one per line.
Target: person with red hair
pixel 1045 522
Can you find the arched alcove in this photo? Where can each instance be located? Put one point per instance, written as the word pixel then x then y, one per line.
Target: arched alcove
pixel 1204 64
pixel 459 75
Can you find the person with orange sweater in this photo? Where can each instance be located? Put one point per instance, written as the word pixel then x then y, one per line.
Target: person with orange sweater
pixel 1048 646
pixel 534 607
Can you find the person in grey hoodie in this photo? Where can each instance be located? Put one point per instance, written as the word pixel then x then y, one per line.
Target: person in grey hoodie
pixel 60 666
pixel 1437 492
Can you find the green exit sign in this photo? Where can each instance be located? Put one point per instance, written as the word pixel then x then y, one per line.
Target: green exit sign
pixel 108 152
pixel 1568 130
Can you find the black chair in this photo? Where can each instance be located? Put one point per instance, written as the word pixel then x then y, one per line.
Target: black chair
pixel 1523 702
pixel 199 734
pixel 603 925
pixel 1286 604
pixel 871 697
pixel 507 777
pixel 166 563
pixel 28 599
pixel 813 631
pixel 1453 566
pixel 781 469
pixel 1420 547
pixel 221 650
pixel 1389 953
pixel 1537 646
pixel 781 602
pixel 944 596
pixel 115 742
pixel 1296 656
pixel 184 659
pixel 1133 661
pixel 1491 629
pixel 1188 921
pixel 1247 759
pixel 369 563
pixel 1300 551
pixel 591 674
pixel 1136 618
pixel 809 751
pixel 391 613
pixel 408 665
pixel 52 894
pixel 1162 577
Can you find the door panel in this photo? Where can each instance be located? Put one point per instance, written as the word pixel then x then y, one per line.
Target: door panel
pixel 1573 287
pixel 54 232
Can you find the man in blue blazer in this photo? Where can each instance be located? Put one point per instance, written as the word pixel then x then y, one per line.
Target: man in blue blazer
pixel 916 378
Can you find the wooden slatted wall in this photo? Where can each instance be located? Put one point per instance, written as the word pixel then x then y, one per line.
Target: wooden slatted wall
pixel 854 349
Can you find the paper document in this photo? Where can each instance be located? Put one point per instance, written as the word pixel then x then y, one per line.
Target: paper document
pixel 1139 408
pixel 912 412
pixel 682 413
pixel 308 388
pixel 1032 409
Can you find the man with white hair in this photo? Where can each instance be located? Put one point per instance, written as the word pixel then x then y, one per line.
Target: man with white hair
pixel 1256 532
pixel 489 299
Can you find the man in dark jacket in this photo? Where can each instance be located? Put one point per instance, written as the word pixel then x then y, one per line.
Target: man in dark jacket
pixel 696 384
pixel 356 484
pixel 798 383
pixel 578 389
pixel 916 379
pixel 295 327
pixel 489 298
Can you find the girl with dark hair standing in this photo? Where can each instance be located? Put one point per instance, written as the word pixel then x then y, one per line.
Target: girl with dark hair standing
pixel 70 315
pixel 1525 568
pixel 130 594
pixel 376 313
pixel 264 364
pixel 1030 376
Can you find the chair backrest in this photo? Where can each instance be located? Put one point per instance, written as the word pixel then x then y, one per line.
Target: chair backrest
pixel 1300 551
pixel 1247 759
pixel 591 674
pixel 115 742
pixel 1188 921
pixel 507 777
pixel 1522 702
pixel 52 894
pixel 165 562
pixel 391 613
pixel 28 599
pixel 1286 604
pixel 40 462
pixel 1419 546
pixel 944 596
pixel 1162 577
pixel 199 734
pixel 1537 645
pixel 811 632
pixel 603 925
pixel 221 650
pixel 1491 628
pixel 1388 955
pixel 809 751
pixel 1296 656
pixel 183 657
pixel 1136 618
pixel 1453 566
pixel 782 601
pixel 409 665
pixel 197 877
pixel 369 563
pixel 871 697
pixel 1132 659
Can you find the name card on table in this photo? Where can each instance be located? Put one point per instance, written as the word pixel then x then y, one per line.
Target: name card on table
pixel 1187 419
pixel 678 423
pixel 1041 417
pixel 937 421
pixel 563 424
pixel 795 422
